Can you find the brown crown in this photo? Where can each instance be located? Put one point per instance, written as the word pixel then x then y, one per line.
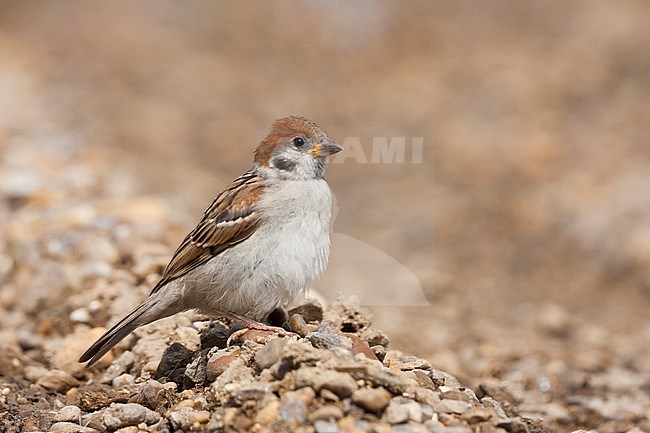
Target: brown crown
pixel 282 131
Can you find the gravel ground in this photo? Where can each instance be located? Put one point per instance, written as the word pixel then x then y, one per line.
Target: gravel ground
pixel 75 259
pixel 73 264
pixel 515 256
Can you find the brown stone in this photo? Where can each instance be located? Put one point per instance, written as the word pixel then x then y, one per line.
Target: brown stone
pixel 341 384
pixel 270 353
pixel 372 399
pixel 476 415
pixel 326 412
pixel 58 381
pixel 360 346
pixel 219 363
pixel 298 325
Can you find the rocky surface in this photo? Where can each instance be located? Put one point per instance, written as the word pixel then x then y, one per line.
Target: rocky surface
pixel 75 259
pixel 325 381
pixel 95 258
pixel 533 281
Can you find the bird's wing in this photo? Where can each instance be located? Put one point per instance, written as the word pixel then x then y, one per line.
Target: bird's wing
pixel 229 220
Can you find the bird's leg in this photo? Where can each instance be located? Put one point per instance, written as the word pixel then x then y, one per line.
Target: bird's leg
pixel 279 317
pixel 250 324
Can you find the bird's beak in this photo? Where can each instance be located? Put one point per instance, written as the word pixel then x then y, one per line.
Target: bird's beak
pixel 326 148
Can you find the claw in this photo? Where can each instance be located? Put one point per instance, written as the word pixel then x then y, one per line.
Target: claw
pixel 266 331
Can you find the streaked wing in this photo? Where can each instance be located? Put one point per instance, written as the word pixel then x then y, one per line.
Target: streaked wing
pixel 229 220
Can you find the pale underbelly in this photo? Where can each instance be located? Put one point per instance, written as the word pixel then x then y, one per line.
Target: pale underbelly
pixel 257 276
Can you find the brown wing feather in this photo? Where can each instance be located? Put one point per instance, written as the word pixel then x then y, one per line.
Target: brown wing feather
pixel 229 220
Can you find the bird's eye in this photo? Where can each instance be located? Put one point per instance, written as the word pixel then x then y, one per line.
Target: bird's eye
pixel 298 142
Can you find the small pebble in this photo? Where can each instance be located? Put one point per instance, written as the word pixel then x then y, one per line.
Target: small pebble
pixel 293 408
pixel 33 373
pixel 476 415
pixel 68 413
pixel 427 396
pixel 219 362
pixel 372 399
pixel 270 353
pixel 268 413
pixel 513 425
pixel 187 418
pixel 28 340
pixel 323 426
pixel 327 412
pixel 341 384
pixel 123 380
pixel 80 315
pixel 456 394
pixel 328 395
pixel 94 306
pixel 121 415
pixel 451 406
pixel 58 381
pixel 298 325
pixel 69 427
pixel 120 366
pixel 489 402
pixel 396 412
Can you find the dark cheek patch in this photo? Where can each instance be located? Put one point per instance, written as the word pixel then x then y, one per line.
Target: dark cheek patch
pixel 320 166
pixel 282 163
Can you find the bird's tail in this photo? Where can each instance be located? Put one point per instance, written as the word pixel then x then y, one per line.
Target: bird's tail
pixel 124 327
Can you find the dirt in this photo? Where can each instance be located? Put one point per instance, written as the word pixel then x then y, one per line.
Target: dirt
pixel 513 256
pixel 332 370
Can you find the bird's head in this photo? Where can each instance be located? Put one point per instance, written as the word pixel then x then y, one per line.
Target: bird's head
pixel 295 148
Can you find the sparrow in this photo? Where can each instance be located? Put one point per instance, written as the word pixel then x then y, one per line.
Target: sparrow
pixel 262 241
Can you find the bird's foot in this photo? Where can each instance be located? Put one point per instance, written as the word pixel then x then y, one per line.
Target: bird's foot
pixel 255 331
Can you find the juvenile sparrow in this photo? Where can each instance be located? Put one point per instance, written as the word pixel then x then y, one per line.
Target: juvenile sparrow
pixel 263 240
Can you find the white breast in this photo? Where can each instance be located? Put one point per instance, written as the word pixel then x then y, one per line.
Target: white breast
pixel 284 256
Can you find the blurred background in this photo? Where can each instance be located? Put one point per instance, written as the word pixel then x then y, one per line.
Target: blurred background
pixel 526 224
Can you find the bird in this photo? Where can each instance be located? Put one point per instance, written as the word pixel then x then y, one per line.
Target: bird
pixel 263 240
